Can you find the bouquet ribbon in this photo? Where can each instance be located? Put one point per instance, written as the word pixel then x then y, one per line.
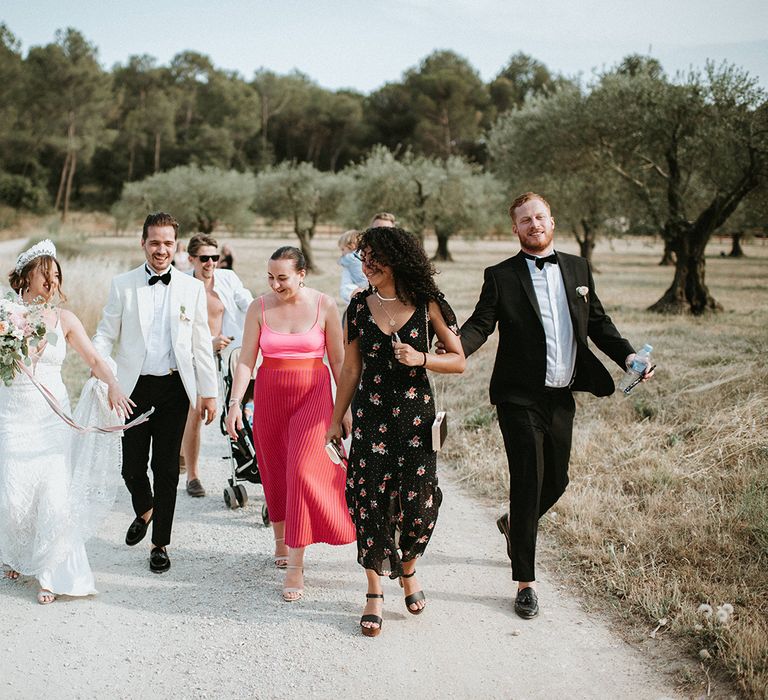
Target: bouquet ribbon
pixel 53 402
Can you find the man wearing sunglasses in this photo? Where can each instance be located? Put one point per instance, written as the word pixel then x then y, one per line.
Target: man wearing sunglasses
pixel 228 300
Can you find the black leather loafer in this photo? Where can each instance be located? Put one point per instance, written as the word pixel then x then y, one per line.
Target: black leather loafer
pixel 503 524
pixel 159 560
pixel 527 603
pixel 136 531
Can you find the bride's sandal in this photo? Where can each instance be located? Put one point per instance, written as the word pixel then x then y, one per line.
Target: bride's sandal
pixel 414 597
pixel 291 594
pixel 11 574
pixel 375 619
pixel 281 560
pixel 45 597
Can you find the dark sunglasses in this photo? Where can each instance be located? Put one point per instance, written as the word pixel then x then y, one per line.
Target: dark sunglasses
pixel 206 258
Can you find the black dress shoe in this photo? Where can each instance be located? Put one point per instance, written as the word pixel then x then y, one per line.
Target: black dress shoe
pixel 527 603
pixel 159 560
pixel 503 524
pixel 136 531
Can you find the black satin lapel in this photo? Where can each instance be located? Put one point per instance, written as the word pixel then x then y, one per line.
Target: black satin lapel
pixel 570 284
pixel 521 267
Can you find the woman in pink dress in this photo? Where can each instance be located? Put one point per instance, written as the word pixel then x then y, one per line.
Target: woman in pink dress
pixel 293 328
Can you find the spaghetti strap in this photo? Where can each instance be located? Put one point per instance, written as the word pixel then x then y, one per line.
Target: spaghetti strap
pixel 263 313
pixel 317 315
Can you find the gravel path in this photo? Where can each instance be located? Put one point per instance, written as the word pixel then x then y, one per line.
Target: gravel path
pixel 215 625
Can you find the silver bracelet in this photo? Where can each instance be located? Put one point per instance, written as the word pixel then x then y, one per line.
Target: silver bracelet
pixel 232 402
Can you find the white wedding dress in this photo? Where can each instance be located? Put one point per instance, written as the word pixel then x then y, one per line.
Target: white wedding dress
pixel 45 513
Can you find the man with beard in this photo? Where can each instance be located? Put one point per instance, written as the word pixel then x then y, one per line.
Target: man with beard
pixel 546 307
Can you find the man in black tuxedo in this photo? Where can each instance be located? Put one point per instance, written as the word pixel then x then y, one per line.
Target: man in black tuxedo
pixel 545 305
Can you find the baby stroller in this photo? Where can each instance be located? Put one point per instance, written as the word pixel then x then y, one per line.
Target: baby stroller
pixel 242 455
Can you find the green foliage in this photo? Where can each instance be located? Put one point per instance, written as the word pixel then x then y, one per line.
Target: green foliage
pixel 21 193
pixel 302 193
pixel 521 79
pixel 200 198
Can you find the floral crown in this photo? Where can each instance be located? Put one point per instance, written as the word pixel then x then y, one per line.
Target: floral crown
pixel 45 247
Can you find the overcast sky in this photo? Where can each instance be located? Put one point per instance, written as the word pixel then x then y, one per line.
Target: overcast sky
pixel 364 43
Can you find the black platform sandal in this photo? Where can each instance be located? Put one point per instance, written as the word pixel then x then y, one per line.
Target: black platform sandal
pixel 414 597
pixel 371 631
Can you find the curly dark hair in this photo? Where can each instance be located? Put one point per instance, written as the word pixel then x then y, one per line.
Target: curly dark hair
pixel 402 251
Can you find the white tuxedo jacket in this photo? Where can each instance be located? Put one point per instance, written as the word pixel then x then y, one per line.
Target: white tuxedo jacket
pixel 124 328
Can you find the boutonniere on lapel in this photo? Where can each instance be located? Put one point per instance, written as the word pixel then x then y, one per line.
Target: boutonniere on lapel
pixel 583 292
pixel 183 314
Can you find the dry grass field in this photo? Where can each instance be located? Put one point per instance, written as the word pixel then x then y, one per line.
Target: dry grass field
pixel 668 503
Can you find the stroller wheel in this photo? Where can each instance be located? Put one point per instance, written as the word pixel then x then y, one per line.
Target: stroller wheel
pixel 265 515
pixel 241 494
pixel 230 499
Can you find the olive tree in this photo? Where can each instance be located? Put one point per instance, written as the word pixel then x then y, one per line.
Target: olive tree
pixel 691 149
pixel 200 198
pixel 301 193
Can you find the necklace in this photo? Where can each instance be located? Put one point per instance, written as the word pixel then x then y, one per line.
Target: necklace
pixel 381 306
pixel 385 298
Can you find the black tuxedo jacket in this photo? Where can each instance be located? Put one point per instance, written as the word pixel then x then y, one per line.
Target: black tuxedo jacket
pixel 508 298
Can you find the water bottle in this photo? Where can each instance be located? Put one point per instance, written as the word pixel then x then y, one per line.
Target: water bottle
pixel 636 369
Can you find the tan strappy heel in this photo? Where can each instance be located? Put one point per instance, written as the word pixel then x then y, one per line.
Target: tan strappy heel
pixel 281 560
pixel 291 594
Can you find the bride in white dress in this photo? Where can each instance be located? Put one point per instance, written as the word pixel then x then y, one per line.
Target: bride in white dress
pixel 41 530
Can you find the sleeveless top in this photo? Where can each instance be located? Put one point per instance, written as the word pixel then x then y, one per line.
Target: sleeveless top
pixel 292 346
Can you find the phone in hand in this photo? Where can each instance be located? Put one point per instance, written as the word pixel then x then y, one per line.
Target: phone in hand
pixel 335 453
pixel 395 337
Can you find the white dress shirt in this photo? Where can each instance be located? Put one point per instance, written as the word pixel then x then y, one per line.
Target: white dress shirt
pixel 556 319
pixel 159 358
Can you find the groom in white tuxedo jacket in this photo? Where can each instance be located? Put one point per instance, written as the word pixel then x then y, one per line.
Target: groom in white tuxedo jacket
pixel 156 322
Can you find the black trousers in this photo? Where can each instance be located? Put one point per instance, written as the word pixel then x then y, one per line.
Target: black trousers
pixel 161 435
pixel 537 434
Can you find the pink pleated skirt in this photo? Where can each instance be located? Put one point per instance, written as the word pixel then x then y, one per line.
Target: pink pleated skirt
pixel 292 410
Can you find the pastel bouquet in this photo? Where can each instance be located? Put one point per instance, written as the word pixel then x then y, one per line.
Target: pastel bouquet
pixel 22 328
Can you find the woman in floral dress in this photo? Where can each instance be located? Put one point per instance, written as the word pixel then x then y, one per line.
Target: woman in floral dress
pixel 392 490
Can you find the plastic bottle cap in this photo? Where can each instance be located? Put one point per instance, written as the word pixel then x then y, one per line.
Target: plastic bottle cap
pixel 648 348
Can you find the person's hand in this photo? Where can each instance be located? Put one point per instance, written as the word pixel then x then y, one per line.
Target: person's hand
pixel 118 401
pixel 220 342
pixel 439 347
pixel 648 368
pixel 333 433
pixel 206 409
pixel 407 355
pixel 346 424
pixel 234 420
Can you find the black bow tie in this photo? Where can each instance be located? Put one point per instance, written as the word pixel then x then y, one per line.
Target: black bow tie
pixel 540 261
pixel 154 279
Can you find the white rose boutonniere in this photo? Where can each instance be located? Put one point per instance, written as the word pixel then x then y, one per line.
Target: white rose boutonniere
pixel 183 314
pixel 583 292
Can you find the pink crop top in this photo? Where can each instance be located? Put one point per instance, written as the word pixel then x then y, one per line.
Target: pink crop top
pixel 292 346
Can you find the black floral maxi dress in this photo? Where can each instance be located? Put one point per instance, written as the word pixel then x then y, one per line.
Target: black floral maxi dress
pixel 392 490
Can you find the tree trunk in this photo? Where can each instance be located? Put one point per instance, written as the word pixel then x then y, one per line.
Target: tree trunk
pixel 68 191
pixel 442 253
pixel 305 243
pixel 668 257
pixel 688 291
pixel 736 250
pixel 62 182
pixel 157 152
pixel 588 241
pixel 131 158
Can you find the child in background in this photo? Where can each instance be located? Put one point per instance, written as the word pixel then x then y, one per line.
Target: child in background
pixel 352 278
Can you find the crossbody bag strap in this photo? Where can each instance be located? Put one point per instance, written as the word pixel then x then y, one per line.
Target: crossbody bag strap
pixel 438 384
